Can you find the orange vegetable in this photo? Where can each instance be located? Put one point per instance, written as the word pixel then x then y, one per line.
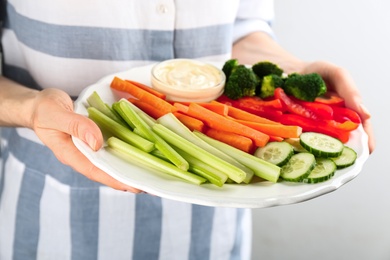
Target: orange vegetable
pixel 143 95
pixel 181 107
pixel 219 122
pixel 191 122
pixel 285 131
pixel 240 142
pixel 147 108
pixel 244 115
pixel 216 107
pixel 148 89
pixel 275 138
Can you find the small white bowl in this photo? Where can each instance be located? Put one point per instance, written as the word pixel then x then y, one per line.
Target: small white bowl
pixel 188 80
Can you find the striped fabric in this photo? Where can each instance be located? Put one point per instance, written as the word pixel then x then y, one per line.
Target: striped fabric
pixel 48 211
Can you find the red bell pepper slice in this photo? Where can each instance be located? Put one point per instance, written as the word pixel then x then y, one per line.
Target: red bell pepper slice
pixel 342 114
pixel 322 110
pixel 294 107
pixel 310 125
pixel 256 101
pixel 257 108
pixel 330 98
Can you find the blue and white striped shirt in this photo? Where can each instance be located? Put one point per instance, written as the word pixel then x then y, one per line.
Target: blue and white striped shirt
pixel 48 211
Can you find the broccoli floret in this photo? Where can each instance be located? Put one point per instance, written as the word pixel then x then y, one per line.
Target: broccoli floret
pixel 304 86
pixel 229 66
pixel 242 82
pixel 268 85
pixel 265 68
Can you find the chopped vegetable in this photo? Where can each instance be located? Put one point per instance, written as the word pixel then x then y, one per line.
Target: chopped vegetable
pixel 143 95
pixel 305 86
pixel 135 155
pixel 148 89
pixel 219 122
pixel 124 108
pixel 242 82
pixel 265 68
pixel 285 131
pixel 261 168
pixel 176 126
pixel 240 142
pixel 119 130
pixel 176 140
pixel 190 122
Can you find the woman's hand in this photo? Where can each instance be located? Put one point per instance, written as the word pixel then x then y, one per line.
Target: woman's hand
pixel 54 121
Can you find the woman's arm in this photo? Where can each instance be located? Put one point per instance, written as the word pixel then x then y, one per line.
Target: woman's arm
pixel 50 114
pixel 260 46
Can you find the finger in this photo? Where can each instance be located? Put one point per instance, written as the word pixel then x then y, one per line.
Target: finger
pixel 76 125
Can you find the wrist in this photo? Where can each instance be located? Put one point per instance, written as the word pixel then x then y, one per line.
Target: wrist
pixel 16 104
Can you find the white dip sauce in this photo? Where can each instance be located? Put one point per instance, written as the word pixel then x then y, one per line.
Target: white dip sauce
pixel 187 74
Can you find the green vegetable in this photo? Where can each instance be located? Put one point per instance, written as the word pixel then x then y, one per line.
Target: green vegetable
pixel 176 140
pixel 277 153
pixel 172 123
pixel 128 113
pixel 137 156
pixel 261 168
pixel 109 125
pixel 94 100
pixel 304 86
pixel 229 66
pixel 210 173
pixel 323 170
pixel 242 82
pixel 346 159
pixel 265 68
pixel 298 167
pixel 268 85
pixel 321 145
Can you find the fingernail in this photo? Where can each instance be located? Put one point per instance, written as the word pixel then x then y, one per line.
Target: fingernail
pixel 91 141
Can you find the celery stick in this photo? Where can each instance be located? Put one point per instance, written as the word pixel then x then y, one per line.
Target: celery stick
pixel 172 123
pixel 260 167
pixel 208 172
pixel 176 140
pixel 118 130
pixel 134 155
pixel 94 100
pixel 129 114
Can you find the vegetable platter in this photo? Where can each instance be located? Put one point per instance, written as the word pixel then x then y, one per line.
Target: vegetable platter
pixel 257 194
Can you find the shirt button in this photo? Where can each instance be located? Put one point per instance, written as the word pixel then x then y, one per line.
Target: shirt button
pixel 162 9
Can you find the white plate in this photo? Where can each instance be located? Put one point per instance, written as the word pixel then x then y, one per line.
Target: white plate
pixel 257 195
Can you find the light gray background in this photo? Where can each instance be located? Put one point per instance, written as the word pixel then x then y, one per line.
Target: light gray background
pixel 352 222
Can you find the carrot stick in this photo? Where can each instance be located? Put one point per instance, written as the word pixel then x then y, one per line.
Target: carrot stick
pixel 147 108
pixel 181 107
pixel 216 107
pixel 240 114
pixel 148 89
pixel 143 95
pixel 240 142
pixel 216 121
pixel 275 138
pixel 285 131
pixel 191 122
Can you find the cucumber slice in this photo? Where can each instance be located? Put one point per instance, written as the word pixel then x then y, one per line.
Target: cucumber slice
pixel 346 159
pixel 277 153
pixel 324 170
pixel 296 145
pixel 321 145
pixel 298 167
